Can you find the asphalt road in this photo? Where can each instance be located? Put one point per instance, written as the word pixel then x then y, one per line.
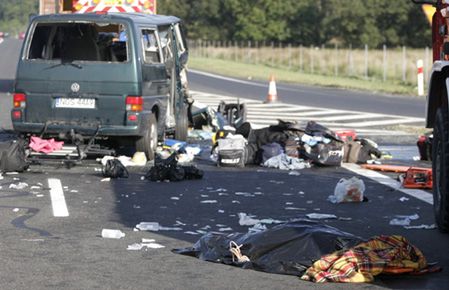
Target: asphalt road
pixel 331 98
pixel 42 251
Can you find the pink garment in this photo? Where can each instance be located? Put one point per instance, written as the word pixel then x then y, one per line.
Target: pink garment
pixel 45 145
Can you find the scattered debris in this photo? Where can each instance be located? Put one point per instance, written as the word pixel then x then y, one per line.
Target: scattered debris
pixel 246 220
pixel 294 173
pixel 422 227
pixel 146 243
pixel 403 220
pixel 285 162
pixel 245 194
pixel 19 186
pixel 209 201
pixel 154 226
pixel 402 199
pixel 257 228
pixel 294 208
pixel 112 234
pixel 320 216
pixel 191 233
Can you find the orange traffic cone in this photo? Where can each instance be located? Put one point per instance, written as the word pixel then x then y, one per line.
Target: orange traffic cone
pixel 272 92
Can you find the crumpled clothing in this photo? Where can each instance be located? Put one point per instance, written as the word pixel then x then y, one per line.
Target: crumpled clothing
pixel 45 145
pixel 381 254
pixel 285 162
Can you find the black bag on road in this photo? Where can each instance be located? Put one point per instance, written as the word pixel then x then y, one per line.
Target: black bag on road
pixel 13 156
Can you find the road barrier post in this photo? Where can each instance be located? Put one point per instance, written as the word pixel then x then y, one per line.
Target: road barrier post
pixel 419 65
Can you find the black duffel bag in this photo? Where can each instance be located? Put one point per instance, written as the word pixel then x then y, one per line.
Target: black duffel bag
pixel 13 156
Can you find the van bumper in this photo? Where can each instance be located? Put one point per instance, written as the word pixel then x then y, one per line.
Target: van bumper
pixel 56 129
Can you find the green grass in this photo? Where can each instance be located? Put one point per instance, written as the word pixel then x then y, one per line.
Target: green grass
pixel 262 73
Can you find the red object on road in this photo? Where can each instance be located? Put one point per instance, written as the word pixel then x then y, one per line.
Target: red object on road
pixel 346 135
pixel 418 178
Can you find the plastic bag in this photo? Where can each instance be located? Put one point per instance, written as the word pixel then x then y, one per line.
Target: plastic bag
pixel 348 190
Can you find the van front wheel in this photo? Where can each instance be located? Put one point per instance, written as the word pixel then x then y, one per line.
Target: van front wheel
pixel 148 142
pixel 440 169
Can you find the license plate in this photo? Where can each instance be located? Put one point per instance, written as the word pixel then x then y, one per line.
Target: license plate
pixel 78 103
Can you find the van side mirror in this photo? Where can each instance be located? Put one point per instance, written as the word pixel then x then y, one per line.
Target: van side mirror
pixel 183 58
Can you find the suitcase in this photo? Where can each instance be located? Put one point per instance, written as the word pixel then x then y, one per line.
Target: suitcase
pixel 232 151
pixel 231 158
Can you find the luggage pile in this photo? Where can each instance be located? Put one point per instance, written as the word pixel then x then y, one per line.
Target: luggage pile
pixel 288 143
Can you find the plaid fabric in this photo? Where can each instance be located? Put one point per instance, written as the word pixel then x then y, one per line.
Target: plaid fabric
pixel 382 254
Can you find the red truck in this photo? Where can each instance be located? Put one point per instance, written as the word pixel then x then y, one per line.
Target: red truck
pixel 86 6
pixel 437 116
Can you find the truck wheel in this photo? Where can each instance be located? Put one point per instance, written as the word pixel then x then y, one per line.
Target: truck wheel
pixel 148 142
pixel 440 169
pixel 182 124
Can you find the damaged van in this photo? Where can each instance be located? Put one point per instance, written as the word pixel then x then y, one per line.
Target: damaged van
pixel 116 76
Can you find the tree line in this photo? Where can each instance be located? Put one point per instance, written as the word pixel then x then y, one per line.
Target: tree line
pixel 306 22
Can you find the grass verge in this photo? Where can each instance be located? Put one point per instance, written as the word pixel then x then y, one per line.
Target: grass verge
pixel 262 73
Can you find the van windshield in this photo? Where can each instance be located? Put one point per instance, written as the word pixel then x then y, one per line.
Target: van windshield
pixel 82 41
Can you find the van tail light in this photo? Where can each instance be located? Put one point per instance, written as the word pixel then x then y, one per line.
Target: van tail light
pixel 134 103
pixel 19 100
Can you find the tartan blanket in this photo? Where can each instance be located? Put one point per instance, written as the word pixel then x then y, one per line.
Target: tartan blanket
pixel 381 254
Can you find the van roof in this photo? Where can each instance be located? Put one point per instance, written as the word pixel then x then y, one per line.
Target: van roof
pixel 138 18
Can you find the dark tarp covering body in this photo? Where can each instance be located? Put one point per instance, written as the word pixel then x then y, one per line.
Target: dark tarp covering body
pixel 288 248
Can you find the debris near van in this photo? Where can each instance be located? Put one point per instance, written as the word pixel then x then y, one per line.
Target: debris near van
pixel 114 169
pixel 225 117
pixel 138 159
pixel 168 169
pixel 38 144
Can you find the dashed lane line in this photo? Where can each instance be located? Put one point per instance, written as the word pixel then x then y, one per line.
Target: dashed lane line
pixel 57 198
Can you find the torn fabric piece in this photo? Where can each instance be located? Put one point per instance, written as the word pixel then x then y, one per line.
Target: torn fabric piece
pixel 45 145
pixel 381 254
pixel 285 162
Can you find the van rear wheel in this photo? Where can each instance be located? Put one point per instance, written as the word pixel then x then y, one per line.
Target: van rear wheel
pixel 182 124
pixel 148 142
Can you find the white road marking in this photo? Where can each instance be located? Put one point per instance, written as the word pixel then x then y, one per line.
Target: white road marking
pixel 261 114
pixel 385 180
pixel 57 198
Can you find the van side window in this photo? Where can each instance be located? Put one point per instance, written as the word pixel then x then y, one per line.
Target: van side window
pixel 150 46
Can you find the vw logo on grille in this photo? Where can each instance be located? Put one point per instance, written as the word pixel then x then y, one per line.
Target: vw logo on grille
pixel 75 87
